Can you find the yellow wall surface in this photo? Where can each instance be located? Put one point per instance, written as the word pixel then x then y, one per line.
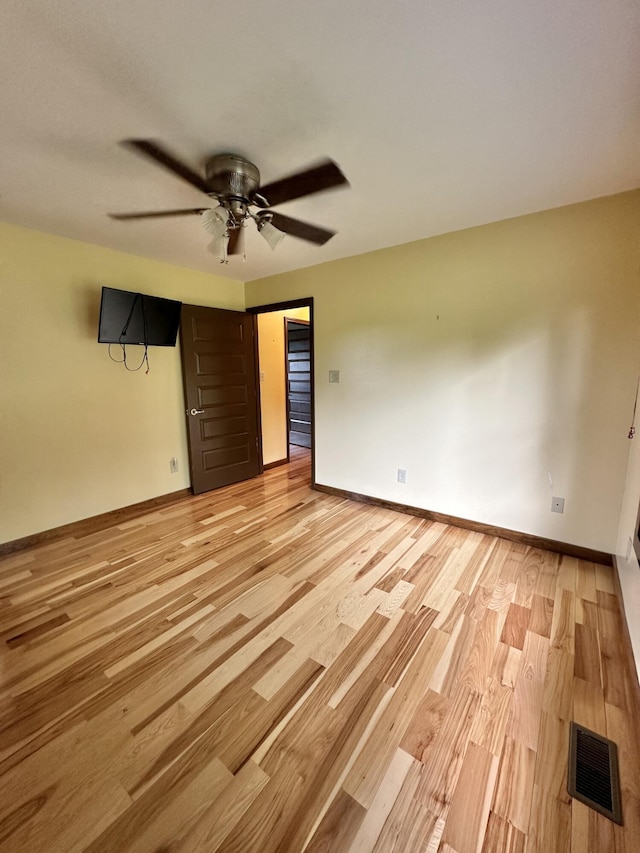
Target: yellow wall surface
pixel 496 365
pixel 80 435
pixel 483 362
pixel 273 401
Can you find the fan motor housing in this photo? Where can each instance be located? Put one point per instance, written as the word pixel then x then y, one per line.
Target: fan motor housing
pixel 229 175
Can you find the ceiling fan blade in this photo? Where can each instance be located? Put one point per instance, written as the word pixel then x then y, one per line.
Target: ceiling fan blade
pixel 236 240
pixel 322 177
pixel 158 154
pixel 303 230
pixel 157 214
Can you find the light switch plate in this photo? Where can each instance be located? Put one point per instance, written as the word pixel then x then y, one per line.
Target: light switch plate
pixel 334 376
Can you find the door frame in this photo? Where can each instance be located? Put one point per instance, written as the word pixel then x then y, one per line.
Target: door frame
pixel 305 302
pixel 636 536
pixel 288 320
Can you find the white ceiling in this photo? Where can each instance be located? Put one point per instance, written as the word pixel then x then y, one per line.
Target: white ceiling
pixel 443 114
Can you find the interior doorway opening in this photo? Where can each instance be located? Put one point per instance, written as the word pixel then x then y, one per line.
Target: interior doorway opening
pixel 285 371
pixel 297 346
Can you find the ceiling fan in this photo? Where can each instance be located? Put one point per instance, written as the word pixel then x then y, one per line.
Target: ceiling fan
pixel 235 182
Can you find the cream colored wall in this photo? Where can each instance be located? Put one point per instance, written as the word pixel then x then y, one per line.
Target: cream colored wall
pixel 80 435
pixel 480 362
pixel 273 403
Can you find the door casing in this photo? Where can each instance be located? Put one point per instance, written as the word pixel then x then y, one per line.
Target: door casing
pixel 288 322
pixel 306 302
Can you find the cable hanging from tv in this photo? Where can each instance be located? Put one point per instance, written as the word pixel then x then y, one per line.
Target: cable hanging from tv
pixel 123 334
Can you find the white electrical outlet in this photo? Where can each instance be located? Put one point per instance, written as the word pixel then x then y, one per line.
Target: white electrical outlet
pixel 262 376
pixel 402 475
pixel 173 465
pixel 557 504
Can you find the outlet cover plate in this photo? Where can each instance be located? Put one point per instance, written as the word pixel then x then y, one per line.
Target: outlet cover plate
pixel 557 504
pixel 402 475
pixel 334 376
pixel 173 465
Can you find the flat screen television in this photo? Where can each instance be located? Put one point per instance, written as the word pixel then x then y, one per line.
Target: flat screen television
pixel 134 318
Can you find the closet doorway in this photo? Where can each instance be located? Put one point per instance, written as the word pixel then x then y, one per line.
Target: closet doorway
pixel 297 338
pixel 285 342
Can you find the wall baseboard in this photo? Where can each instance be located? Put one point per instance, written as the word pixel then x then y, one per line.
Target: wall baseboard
pixel 275 464
pixel 503 532
pixel 93 524
pixel 126 513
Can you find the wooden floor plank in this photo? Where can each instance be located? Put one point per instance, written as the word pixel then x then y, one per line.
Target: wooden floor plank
pixel 382 803
pixel 410 827
pixel 213 825
pixel 339 826
pixel 271 668
pixel 515 784
pixel 467 821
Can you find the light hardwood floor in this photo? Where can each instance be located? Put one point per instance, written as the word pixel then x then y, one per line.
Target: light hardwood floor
pixel 268 668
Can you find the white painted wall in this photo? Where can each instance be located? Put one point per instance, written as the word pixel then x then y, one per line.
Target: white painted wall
pixel 480 361
pixel 626 558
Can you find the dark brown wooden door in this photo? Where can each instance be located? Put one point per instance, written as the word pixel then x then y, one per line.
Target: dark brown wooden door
pixel 219 374
pixel 298 382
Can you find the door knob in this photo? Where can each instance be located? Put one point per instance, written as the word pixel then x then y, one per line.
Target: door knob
pixel 197 412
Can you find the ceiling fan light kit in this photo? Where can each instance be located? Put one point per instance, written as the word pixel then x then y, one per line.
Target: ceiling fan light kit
pixel 218 247
pixel 270 233
pixel 235 183
pixel 215 221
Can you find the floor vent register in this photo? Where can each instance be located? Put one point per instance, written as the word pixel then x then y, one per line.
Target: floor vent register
pixel 593 772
